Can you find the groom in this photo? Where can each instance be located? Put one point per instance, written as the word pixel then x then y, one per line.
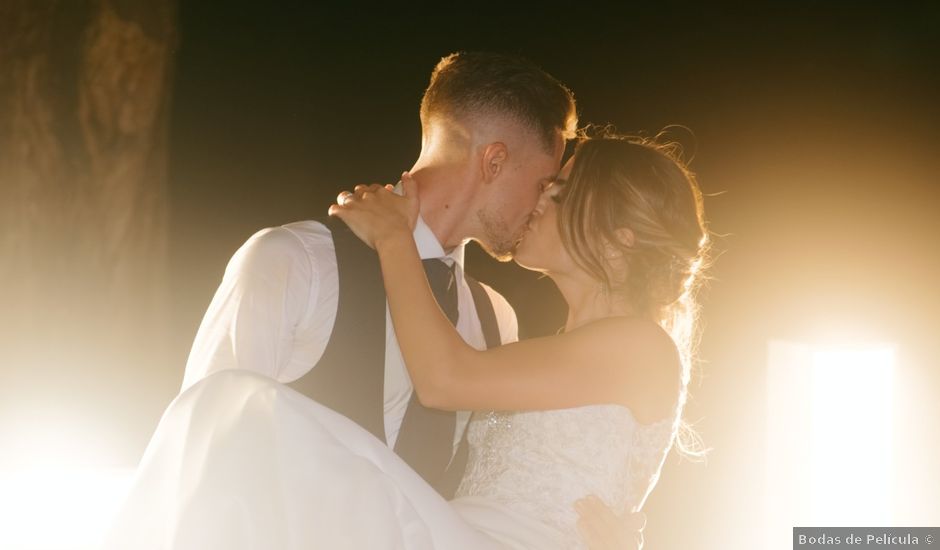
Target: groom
pixel 304 303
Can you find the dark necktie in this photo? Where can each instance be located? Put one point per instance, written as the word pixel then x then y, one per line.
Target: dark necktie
pixel 426 438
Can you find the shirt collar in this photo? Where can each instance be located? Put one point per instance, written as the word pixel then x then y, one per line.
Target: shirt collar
pixel 430 247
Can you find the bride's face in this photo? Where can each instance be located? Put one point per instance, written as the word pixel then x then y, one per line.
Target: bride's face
pixel 541 248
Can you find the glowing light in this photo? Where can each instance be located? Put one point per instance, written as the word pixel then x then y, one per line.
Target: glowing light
pixel 60 484
pixel 829 437
pixel 852 436
pixel 59 509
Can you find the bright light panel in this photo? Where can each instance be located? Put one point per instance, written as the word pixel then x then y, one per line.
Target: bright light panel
pixel 852 436
pixel 829 437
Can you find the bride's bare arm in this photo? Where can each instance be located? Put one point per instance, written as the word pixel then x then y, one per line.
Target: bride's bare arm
pixel 586 366
pixel 614 360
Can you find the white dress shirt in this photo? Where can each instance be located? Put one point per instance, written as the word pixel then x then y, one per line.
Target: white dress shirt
pixel 274 311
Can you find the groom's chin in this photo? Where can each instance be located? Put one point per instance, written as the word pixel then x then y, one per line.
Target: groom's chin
pixel 505 258
pixel 504 253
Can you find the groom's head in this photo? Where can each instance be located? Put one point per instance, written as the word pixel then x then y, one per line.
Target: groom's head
pixel 494 128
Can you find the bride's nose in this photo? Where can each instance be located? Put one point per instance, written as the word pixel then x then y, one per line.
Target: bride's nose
pixel 544 198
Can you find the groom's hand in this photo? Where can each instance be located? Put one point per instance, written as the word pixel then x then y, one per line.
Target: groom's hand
pixel 602 529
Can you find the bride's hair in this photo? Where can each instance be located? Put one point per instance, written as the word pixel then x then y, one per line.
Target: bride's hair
pixel 640 184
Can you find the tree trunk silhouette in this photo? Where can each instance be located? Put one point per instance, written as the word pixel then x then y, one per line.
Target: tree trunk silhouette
pixel 84 97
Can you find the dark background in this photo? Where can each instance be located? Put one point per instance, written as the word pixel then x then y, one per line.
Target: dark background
pixel 812 128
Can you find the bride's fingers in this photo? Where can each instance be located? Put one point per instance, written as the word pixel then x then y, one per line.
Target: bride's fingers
pixel 408 184
pixel 343 197
pixel 366 192
pixel 350 214
pixel 363 199
pixel 606 529
pixel 377 188
pixel 362 188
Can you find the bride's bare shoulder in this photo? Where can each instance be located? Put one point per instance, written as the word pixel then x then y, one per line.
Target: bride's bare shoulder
pixel 634 333
pixel 641 361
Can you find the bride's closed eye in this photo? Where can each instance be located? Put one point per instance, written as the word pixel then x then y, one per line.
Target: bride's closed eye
pixel 558 191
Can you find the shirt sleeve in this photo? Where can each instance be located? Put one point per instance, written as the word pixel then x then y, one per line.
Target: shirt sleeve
pixel 251 320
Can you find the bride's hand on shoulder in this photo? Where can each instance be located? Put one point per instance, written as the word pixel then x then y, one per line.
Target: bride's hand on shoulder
pixel 376 214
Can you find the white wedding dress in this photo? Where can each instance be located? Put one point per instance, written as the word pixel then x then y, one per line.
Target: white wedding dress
pixel 242 462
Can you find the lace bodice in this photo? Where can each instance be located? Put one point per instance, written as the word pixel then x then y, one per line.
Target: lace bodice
pixel 540 463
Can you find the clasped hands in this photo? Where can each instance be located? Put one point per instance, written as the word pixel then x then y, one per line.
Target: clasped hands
pixel 375 213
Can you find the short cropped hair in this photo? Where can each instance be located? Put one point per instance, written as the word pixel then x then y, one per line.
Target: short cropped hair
pixel 466 84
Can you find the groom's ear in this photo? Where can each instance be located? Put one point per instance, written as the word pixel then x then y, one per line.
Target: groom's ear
pixel 494 160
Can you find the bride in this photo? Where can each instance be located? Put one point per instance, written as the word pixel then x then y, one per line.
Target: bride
pixel 241 461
